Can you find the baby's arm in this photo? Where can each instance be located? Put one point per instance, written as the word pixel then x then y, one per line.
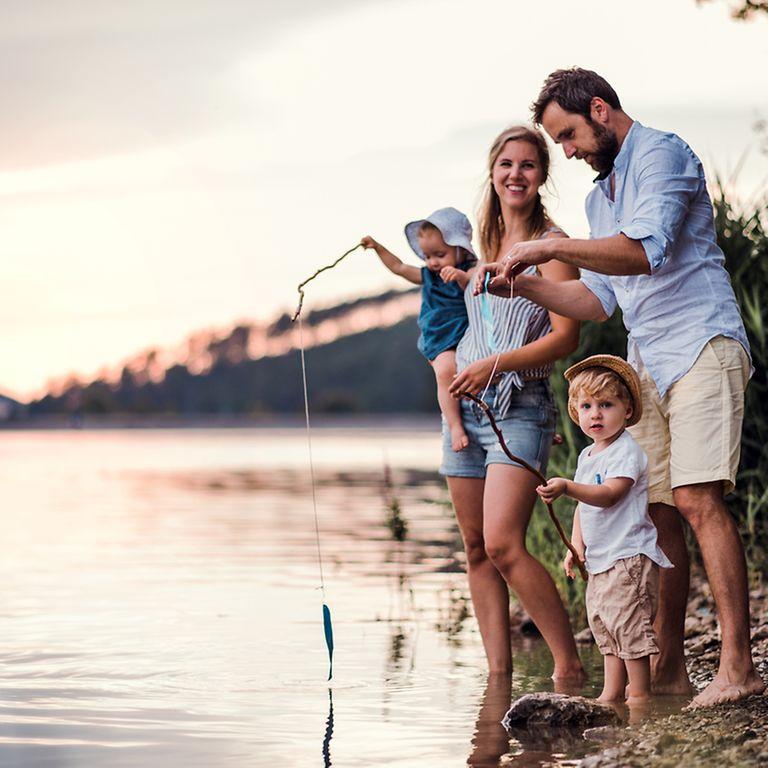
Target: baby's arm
pixel 613 490
pixel 391 262
pixel 454 275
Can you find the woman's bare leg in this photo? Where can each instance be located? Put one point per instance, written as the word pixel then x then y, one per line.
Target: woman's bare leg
pixel 444 366
pixel 490 596
pixel 508 503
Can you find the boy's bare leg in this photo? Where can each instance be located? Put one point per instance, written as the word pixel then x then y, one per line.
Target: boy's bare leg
pixel 444 366
pixel 615 679
pixel 639 674
pixel 703 507
pixel 668 672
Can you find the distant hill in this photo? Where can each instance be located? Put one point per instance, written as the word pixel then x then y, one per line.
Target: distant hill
pixel 361 358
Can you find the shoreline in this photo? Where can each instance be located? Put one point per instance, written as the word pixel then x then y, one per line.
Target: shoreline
pixel 396 422
pixel 726 736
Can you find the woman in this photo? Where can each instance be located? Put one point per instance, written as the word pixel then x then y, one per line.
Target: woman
pixel 493 497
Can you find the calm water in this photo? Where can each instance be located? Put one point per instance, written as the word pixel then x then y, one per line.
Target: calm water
pixel 160 606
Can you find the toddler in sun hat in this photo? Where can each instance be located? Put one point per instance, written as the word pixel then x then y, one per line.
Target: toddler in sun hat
pixel 443 241
pixel 611 525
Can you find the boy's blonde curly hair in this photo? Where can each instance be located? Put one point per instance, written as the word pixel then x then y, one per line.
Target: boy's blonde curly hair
pixel 595 382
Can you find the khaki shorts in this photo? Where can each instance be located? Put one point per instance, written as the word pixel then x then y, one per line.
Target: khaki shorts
pixel 693 434
pixel 621 607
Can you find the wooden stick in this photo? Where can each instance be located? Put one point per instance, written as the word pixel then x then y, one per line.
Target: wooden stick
pixel 485 407
pixel 300 288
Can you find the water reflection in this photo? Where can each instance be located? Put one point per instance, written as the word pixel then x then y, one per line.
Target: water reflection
pixel 161 606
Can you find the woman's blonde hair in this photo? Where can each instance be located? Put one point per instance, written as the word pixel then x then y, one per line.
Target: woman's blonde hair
pixel 489 219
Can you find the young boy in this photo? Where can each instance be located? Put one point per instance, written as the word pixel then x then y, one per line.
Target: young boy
pixel 611 524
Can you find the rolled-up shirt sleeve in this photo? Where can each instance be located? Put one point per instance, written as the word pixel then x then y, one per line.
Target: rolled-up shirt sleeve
pixel 669 178
pixel 601 286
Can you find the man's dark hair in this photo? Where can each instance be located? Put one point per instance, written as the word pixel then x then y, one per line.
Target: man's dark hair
pixel 573 89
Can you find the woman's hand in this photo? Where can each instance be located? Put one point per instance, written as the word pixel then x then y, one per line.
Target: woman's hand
pixel 554 489
pixel 474 377
pixel 368 242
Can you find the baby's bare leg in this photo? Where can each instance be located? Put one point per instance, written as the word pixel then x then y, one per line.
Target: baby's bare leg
pixel 615 679
pixel 639 673
pixel 444 366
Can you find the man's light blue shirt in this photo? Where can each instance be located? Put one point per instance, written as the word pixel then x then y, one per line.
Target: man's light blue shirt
pixel 661 199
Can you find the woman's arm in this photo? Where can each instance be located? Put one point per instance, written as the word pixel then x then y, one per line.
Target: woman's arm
pixel 560 342
pixel 391 262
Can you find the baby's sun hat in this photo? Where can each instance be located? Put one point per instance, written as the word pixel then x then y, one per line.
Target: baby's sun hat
pixel 623 370
pixel 454 226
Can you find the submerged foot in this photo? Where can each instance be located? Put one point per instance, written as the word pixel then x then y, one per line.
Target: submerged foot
pixel 459 439
pixel 671 680
pixel 722 690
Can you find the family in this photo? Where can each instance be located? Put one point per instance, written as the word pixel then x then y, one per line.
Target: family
pixel 665 425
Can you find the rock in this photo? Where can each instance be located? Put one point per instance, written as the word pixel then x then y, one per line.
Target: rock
pixel 584 637
pixel 557 709
pixel 602 733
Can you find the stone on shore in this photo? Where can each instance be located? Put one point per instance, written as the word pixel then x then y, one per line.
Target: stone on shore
pixel 557 709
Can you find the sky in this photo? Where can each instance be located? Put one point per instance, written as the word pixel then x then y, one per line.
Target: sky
pixel 170 167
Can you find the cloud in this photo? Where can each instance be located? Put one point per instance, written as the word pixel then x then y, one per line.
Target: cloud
pixel 88 78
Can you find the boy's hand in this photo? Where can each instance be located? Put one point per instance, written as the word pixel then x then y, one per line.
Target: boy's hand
pixel 368 242
pixel 449 274
pixel 554 489
pixel 568 565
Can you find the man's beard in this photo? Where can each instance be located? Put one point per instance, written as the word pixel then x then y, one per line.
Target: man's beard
pixel 607 147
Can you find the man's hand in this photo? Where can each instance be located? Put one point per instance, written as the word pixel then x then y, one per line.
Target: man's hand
pixel 473 378
pixel 368 242
pixel 554 489
pixel 527 253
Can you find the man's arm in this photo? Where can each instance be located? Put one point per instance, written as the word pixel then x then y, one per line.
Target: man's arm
pixel 615 255
pixel 570 298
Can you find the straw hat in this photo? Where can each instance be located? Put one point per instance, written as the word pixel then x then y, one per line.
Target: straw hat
pixel 623 370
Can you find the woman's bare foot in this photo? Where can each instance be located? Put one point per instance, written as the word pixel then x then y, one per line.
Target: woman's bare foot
pixel 722 690
pixel 459 439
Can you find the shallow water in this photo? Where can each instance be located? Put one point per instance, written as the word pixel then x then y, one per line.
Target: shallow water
pixel 161 606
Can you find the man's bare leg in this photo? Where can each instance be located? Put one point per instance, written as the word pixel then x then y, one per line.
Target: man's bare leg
pixel 721 548
pixel 668 672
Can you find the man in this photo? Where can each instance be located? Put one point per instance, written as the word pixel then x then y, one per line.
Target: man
pixel 652 250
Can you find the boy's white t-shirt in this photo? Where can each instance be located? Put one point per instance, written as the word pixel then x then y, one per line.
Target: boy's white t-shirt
pixel 625 529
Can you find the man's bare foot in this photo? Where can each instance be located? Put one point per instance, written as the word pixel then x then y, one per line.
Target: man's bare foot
pixel 459 439
pixel 722 690
pixel 670 682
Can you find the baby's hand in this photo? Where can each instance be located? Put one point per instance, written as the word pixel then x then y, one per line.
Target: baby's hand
pixel 449 274
pixel 554 489
pixel 368 242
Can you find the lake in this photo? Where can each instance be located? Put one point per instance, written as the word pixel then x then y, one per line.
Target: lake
pixel 161 605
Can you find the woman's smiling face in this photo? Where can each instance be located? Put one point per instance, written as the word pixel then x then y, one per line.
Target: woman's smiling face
pixel 517 174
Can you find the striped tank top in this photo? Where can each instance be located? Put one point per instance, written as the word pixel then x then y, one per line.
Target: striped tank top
pixel 516 322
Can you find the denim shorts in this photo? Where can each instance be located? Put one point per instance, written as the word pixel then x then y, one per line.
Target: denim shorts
pixel 528 429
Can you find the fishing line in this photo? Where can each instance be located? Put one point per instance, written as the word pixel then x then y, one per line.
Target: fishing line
pixel 327 625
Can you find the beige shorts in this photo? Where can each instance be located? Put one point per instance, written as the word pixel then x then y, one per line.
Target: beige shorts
pixel 621 606
pixel 693 434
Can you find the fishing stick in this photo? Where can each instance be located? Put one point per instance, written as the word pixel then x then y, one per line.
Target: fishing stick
pixel 523 463
pixel 300 287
